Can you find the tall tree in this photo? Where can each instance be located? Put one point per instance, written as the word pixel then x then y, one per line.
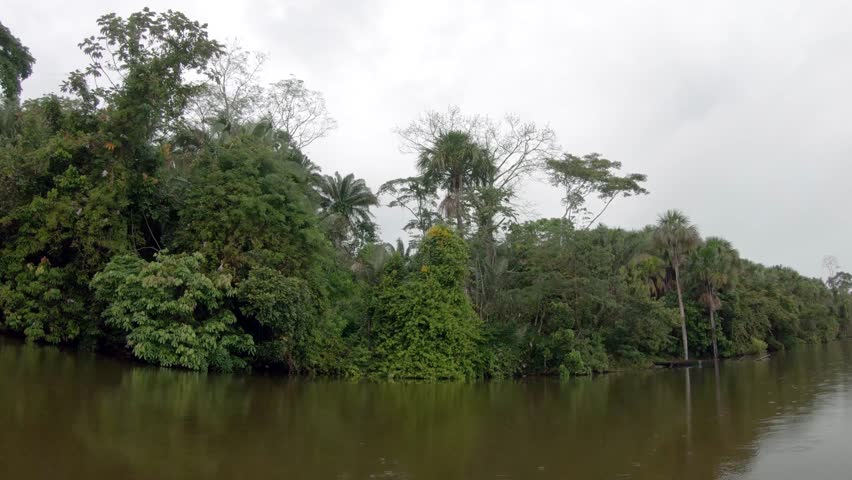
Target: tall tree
pixel 840 282
pixel 515 147
pixel 418 196
pixel 453 162
pixel 233 95
pixel 347 200
pixel 16 63
pixel 139 67
pixel 676 237
pixel 298 110
pixel 592 174
pixel 491 211
pixel 714 266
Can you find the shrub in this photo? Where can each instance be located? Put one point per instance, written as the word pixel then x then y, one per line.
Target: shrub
pixel 172 313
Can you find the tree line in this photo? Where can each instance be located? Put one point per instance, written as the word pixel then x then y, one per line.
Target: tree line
pixel 161 207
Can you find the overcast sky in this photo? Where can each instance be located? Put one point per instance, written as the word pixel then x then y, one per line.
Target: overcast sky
pixel 737 111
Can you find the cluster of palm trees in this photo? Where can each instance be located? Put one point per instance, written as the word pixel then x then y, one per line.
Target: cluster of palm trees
pixel 712 264
pixel 454 163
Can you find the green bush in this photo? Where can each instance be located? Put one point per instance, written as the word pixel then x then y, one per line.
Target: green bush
pixel 172 313
pixel 425 326
pixel 292 328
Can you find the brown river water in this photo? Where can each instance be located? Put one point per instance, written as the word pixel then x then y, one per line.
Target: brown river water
pixel 67 415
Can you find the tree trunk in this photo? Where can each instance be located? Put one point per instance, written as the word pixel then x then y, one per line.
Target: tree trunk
pixel 459 208
pixel 682 314
pixel 713 327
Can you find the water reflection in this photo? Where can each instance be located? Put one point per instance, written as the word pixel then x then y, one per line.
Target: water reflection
pixel 80 416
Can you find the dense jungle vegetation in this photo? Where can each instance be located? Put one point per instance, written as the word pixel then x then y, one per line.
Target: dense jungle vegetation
pixel 161 207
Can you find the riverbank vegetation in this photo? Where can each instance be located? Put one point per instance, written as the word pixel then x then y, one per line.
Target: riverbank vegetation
pixel 162 207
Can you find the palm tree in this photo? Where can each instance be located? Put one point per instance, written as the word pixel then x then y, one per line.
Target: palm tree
pixel 649 272
pixel 349 199
pixel 676 237
pixel 714 265
pixel 453 162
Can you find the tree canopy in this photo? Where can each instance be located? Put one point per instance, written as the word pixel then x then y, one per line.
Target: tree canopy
pixel 163 208
pixel 16 63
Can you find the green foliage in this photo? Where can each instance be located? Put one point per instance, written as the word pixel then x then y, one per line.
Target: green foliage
pixel 54 245
pixel 173 313
pixel 454 161
pixel 503 350
pixel 248 205
pixel 346 203
pixel 418 196
pixel 676 237
pixel 644 331
pixel 578 293
pixel 275 265
pixel 16 63
pixel 292 328
pixel 425 326
pixel 43 304
pixel 591 174
pixel 144 61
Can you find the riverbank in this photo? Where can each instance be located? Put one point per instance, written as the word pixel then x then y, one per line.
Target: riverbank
pixel 123 357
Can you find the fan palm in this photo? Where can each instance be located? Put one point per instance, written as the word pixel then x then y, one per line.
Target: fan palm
pixel 454 161
pixel 714 265
pixel 676 238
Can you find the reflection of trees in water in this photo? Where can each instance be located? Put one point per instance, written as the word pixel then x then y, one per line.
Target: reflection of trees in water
pixel 163 422
pixel 100 417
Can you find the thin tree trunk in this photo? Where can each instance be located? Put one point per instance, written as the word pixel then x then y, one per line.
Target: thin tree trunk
pixel 459 203
pixel 682 314
pixel 589 225
pixel 713 326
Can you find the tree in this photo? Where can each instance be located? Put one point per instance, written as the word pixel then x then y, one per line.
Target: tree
pixel 453 162
pixel 347 201
pixel 418 196
pixel 491 211
pixel 516 148
pixel 676 237
pixel 289 326
pixel 831 265
pixel 299 111
pixel 648 273
pixel 16 63
pixel 248 205
pixel 592 174
pixel 840 282
pixel 145 60
pixel 233 96
pixel 714 265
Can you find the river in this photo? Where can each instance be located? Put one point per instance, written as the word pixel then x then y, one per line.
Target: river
pixel 82 416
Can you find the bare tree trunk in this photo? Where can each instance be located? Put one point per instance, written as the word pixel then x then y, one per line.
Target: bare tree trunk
pixel 713 327
pixel 682 314
pixel 589 225
pixel 459 207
